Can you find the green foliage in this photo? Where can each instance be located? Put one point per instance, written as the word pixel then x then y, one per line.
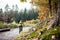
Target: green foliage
pixel 8 26
pixel 6 7
pixel 12 26
pixel 1 10
pixel 35 21
pixel 48 35
pixel 16 16
pixel 25 15
pixel 33 35
pixel 1 22
pixel 2 25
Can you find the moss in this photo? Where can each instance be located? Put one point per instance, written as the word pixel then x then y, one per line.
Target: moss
pixel 33 35
pixel 53 31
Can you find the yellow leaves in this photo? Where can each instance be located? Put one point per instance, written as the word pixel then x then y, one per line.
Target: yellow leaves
pixel 39 2
pixel 43 12
pixel 22 0
pixel 44 1
pixel 43 8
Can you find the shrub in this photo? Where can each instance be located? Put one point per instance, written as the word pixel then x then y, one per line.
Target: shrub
pixel 3 26
pixel 34 21
pixel 12 26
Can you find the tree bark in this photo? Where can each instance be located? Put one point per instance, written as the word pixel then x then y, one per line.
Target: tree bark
pixel 50 7
pixel 56 21
pixel 58 13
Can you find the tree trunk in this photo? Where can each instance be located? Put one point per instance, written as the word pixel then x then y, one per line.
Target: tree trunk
pixel 56 21
pixel 50 7
pixel 58 13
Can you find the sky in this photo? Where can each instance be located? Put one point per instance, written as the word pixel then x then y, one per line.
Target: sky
pixel 21 5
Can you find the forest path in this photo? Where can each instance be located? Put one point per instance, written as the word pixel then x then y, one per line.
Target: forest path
pixel 9 35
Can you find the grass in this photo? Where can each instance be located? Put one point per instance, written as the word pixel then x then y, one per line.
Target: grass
pixel 33 35
pixel 46 35
pixel 53 31
pixel 36 33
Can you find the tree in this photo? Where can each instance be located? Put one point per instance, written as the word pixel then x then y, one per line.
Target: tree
pixel 2 16
pixel 36 15
pixel 1 11
pixel 6 10
pixel 25 15
pixel 13 7
pixel 9 16
pixel 58 13
pixel 16 17
pixel 43 8
pixel 16 7
pixel 6 7
pixel 51 6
